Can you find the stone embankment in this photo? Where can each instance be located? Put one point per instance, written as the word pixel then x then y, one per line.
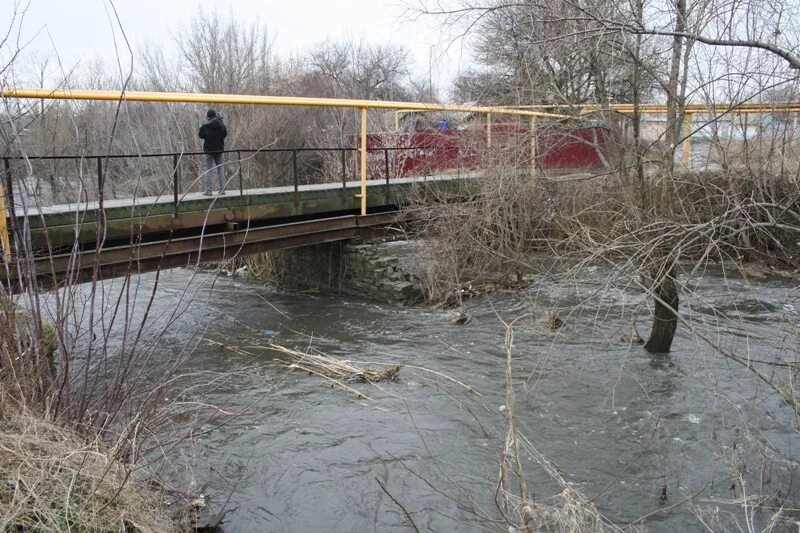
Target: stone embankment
pixel 384 271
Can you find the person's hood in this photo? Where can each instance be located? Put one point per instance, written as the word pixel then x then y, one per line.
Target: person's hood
pixel 213 122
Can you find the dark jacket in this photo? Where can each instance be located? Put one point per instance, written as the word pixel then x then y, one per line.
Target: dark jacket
pixel 213 133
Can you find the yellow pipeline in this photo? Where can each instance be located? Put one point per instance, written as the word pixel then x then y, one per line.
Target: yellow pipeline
pixel 533 151
pixel 252 99
pixel 719 108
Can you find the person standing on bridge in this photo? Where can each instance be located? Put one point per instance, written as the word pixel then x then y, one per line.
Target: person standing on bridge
pixel 213 133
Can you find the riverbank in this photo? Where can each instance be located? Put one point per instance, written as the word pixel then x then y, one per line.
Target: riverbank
pixel 384 270
pixel 54 479
pixel 401 271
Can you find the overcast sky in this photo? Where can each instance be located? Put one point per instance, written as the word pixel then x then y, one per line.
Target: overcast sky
pixel 84 29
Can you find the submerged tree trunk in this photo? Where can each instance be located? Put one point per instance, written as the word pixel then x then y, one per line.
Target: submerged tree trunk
pixel 665 319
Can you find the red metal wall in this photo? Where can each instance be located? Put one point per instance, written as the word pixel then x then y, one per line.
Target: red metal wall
pixel 428 151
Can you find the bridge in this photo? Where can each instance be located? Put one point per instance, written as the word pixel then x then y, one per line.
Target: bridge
pixel 100 237
pixel 117 237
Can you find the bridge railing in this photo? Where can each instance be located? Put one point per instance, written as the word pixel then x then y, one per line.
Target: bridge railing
pixel 41 181
pixel 363 106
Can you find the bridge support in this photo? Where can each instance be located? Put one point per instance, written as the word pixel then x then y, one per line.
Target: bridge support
pixel 375 271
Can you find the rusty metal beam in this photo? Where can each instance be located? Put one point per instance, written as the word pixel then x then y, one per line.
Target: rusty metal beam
pixel 186 251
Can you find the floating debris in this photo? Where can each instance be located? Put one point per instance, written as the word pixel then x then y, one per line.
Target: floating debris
pixel 458 318
pixel 553 321
pixel 338 371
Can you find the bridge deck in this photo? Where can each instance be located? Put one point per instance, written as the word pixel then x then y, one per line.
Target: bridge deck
pixel 74 241
pixel 147 218
pixel 232 194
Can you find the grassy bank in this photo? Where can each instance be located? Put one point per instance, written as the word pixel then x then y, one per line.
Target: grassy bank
pixel 55 479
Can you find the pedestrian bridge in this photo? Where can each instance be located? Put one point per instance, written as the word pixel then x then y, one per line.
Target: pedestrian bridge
pixel 107 235
pixel 101 237
pixel 80 241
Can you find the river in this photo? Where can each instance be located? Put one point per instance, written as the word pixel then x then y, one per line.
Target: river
pixel 639 432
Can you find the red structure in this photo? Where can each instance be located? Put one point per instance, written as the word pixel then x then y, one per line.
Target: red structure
pixel 432 151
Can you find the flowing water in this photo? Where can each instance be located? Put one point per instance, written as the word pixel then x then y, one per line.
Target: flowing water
pixel 620 424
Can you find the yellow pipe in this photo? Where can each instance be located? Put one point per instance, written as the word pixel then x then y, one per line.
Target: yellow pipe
pixel 4 225
pixel 718 108
pixel 488 130
pixel 363 161
pixel 533 151
pixel 686 149
pixel 203 98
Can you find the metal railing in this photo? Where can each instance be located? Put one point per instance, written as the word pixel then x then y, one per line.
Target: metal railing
pixel 244 99
pixel 344 156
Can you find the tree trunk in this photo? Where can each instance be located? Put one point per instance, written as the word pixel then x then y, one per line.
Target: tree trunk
pixel 637 111
pixel 674 119
pixel 665 319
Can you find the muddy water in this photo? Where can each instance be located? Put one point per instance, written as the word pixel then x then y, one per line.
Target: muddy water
pixel 621 425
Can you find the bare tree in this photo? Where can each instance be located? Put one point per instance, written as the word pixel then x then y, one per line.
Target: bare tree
pixel 576 51
pixel 546 53
pixel 223 55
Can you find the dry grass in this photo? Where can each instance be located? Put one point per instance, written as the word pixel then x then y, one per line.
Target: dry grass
pixel 262 266
pixel 716 216
pixel 52 479
pixel 337 371
pixel 568 511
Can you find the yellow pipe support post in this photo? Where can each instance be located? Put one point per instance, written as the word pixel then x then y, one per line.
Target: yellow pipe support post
pixel 4 224
pixel 686 149
pixel 363 161
pixel 533 151
pixel 488 130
